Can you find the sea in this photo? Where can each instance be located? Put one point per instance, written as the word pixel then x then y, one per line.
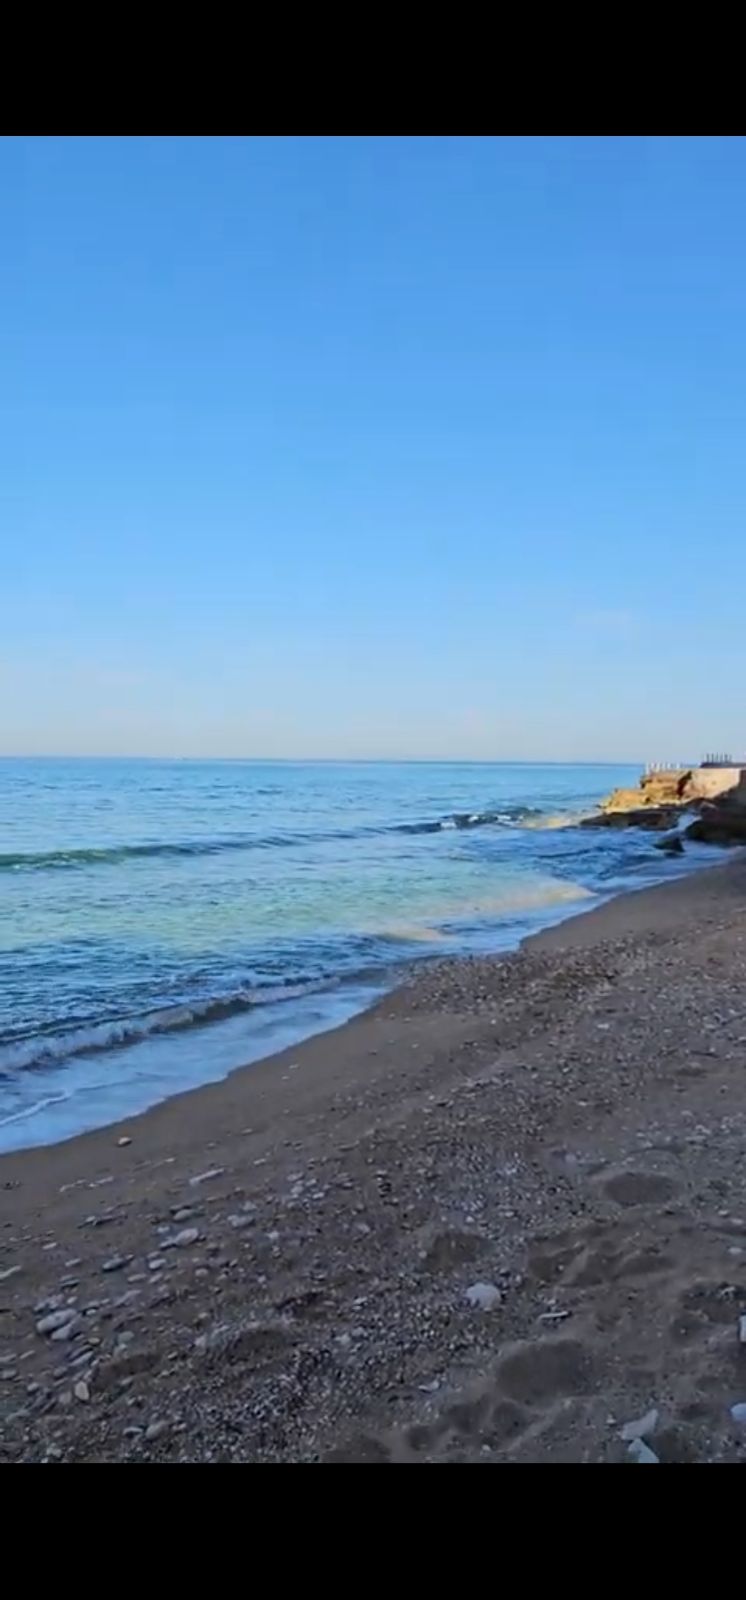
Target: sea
pixel 163 922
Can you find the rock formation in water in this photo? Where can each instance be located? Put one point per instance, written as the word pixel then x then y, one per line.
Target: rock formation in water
pixel 716 794
pixel 720 822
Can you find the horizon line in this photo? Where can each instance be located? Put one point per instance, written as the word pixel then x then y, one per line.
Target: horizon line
pixel 263 760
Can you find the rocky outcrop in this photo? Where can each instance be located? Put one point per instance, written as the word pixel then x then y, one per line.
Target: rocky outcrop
pixel 654 789
pixel 674 791
pixel 716 794
pixel 722 823
pixel 671 845
pixel 650 817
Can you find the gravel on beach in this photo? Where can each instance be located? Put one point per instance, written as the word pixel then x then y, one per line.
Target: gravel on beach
pixel 499 1217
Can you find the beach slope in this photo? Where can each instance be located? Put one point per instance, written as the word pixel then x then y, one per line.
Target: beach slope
pixel 496 1218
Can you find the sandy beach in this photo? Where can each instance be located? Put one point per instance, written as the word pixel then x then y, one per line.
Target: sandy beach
pixel 497 1218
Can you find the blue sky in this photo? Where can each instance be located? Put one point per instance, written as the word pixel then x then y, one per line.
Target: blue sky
pixel 429 447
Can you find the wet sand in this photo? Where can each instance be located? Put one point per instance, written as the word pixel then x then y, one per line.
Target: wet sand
pixel 278 1266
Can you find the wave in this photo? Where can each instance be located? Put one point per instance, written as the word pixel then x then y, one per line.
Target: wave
pixel 115 855
pixel 59 1041
pixel 118 1034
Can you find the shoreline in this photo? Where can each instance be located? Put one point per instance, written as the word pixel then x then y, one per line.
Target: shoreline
pixel 574 931
pixel 294 1021
pixel 292 1244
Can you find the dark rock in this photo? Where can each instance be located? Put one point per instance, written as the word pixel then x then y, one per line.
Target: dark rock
pixel 722 823
pixel 671 844
pixel 654 818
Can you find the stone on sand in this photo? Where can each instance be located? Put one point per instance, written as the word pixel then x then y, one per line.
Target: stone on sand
pixel 641 1427
pixel 483 1296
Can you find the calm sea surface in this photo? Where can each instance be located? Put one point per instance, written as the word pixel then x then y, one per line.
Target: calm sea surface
pixel 162 922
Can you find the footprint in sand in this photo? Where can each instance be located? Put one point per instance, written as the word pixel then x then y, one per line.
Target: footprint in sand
pixel 363 1450
pixel 450 1248
pixel 703 1307
pixel 639 1188
pixel 539 1372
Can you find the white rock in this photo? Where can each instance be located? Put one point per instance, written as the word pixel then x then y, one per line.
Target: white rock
pixel 204 1177
pixel 155 1429
pixel 483 1296
pixel 641 1452
pixel 123 1141
pixel 738 1412
pixel 9 1272
pixel 56 1320
pixel 180 1240
pixel 82 1392
pixel 742 1330
pixel 641 1427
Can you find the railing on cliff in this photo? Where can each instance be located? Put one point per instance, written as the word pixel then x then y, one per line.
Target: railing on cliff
pixel 686 766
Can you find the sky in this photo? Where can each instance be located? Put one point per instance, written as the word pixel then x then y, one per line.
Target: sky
pixel 373 447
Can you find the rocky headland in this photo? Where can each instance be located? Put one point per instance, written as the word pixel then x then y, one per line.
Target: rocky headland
pixel 714 796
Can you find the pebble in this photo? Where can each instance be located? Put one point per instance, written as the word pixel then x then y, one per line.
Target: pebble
pixel 8 1272
pixel 81 1391
pixel 179 1241
pixel 116 1263
pixel 483 1296
pixel 641 1452
pixel 742 1330
pixel 57 1320
pixel 67 1331
pixel 738 1412
pixel 155 1429
pixel 641 1426
pixel 204 1177
pixel 51 1303
pixel 121 1143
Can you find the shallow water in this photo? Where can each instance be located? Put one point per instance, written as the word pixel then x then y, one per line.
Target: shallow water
pixel 161 922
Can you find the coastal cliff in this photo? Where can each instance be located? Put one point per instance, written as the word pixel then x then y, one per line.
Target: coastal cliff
pixel 682 786
pixel 717 796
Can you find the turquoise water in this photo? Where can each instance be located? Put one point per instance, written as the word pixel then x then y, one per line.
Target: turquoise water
pixel 161 922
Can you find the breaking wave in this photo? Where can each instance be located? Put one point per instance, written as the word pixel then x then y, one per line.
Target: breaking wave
pixel 114 855
pixel 27 1054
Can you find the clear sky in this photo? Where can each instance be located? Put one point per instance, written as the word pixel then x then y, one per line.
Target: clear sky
pixel 373 446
